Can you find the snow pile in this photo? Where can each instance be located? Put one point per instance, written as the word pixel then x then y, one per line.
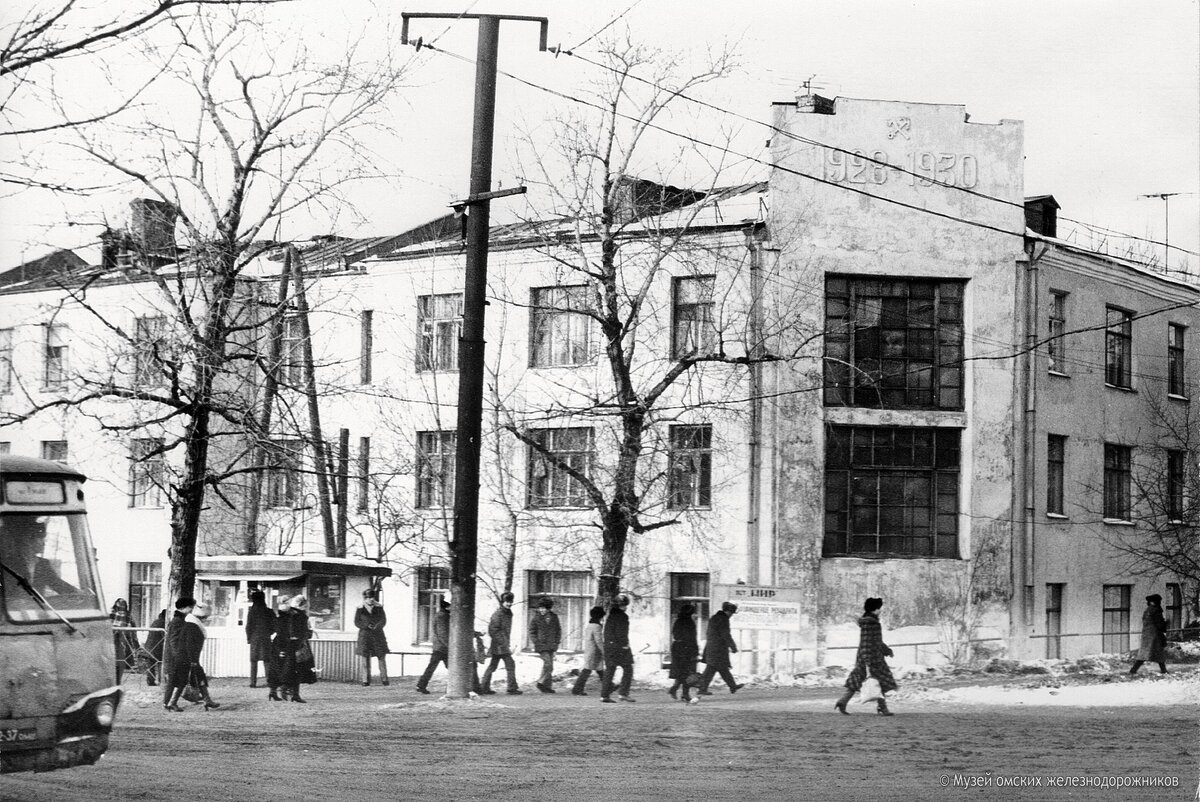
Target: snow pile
pixel 1164 691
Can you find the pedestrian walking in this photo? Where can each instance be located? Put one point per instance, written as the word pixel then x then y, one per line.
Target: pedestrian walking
pixel 154 647
pixel 125 643
pixel 545 631
pixel 260 626
pixel 718 645
pixel 290 644
pixel 685 651
pixel 441 647
pixel 617 653
pixel 1154 636
pixel 500 632
pixel 869 661
pixel 370 619
pixel 593 651
pixel 185 655
pixel 176 676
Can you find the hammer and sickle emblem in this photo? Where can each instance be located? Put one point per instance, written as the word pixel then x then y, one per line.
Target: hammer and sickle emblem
pixel 899 127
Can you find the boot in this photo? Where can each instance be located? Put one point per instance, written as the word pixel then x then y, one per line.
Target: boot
pixel 840 704
pixel 674 688
pixel 273 696
pixel 209 704
pixel 253 673
pixel 882 708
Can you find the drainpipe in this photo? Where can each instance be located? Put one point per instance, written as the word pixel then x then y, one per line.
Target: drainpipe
pixel 1027 463
pixel 754 353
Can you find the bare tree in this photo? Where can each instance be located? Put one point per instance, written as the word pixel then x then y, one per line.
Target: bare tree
pixel 269 129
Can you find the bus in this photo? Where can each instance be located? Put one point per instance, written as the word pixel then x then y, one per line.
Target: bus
pixel 58 688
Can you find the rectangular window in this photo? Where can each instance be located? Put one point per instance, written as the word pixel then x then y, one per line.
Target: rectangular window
pixel 283 481
pixel 1174 608
pixel 293 350
pixel 1054 611
pixel 1176 462
pixel 439 328
pixel 366 345
pixel 433 584
pixel 894 343
pixel 325 601
pixel 1055 344
pixel 550 484
pixel 560 331
pixel 435 468
pixel 6 360
pixel 891 491
pixel 149 335
pixel 1175 353
pixel 1056 462
pixel 364 473
pixel 1116 619
pixel 145 592
pixel 146 473
pixel 55 450
pixel 1118 348
pixel 572 592
pixel 1117 479
pixel 55 367
pixel 694 327
pixel 5 446
pixel 691 589
pixel 689 467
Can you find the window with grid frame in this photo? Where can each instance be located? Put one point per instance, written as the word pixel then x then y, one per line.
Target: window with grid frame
pixel 572 592
pixel 146 472
pixel 283 480
pixel 1054 611
pixel 560 333
pixel 1174 607
pixel 891 491
pixel 1176 378
pixel 1176 465
pixel 1056 463
pixel 893 343
pixel 1118 476
pixel 1055 342
pixel 55 450
pixel 549 484
pixel 54 373
pixel 6 360
pixel 439 328
pixel 435 468
pixel 145 592
pixel 693 589
pixel 433 584
pixel 694 326
pixel 292 352
pixel 689 467
pixel 149 346
pixel 1115 625
pixel 1118 348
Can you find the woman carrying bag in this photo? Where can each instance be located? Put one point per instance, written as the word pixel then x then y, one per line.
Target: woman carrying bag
pixel 870 662
pixel 290 644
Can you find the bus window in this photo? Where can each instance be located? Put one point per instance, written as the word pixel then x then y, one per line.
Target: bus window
pixel 52 552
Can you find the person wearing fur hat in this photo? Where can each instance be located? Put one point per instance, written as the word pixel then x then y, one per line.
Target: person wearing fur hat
pixel 718 645
pixel 500 631
pixel 292 631
pixel 1154 636
pixel 617 653
pixel 869 661
pixel 260 626
pixel 685 651
pixel 372 642
pixel 546 633
pixel 185 655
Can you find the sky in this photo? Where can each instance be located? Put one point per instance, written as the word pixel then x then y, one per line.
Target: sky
pixel 1109 94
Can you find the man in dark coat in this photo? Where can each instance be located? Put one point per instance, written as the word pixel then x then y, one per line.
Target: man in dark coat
pixel 441 645
pixel 546 633
pixel 178 663
pixel 500 631
pixel 1154 636
pixel 260 626
pixel 154 645
pixel 372 642
pixel 617 653
pixel 717 648
pixel 292 632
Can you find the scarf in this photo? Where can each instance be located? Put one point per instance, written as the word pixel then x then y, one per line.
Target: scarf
pixel 191 619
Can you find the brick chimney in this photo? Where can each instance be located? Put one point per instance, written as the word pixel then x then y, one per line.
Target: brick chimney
pixel 152 228
pixel 1041 215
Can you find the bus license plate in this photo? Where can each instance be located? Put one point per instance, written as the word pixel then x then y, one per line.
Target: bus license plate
pixel 12 735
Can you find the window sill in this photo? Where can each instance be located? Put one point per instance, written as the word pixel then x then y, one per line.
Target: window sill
pixel 691 508
pixel 1058 373
pixel 1117 522
pixel 1057 516
pixel 1176 397
pixel 1118 387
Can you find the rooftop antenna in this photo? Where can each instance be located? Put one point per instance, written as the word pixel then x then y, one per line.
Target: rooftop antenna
pixel 1165 197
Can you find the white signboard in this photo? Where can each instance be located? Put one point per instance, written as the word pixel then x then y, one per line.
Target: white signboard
pixel 761 606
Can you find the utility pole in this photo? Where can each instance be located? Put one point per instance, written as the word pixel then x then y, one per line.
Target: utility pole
pixel 1165 197
pixel 464 544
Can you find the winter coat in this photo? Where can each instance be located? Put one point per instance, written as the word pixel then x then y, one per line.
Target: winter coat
pixel 500 631
pixel 1154 635
pixel 685 648
pixel 154 640
pixel 441 631
pixel 545 631
pixel 371 640
pixel 174 637
pixel 718 643
pixel 616 639
pixel 125 643
pixel 260 626
pixel 291 630
pixel 593 647
pixel 870 658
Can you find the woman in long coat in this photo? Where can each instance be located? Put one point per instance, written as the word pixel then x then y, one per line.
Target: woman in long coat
pixel 685 650
pixel 870 662
pixel 260 626
pixel 1154 636
pixel 292 631
pixel 370 619
pixel 593 651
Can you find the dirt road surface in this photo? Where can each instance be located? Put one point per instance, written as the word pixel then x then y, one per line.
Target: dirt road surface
pixel 356 743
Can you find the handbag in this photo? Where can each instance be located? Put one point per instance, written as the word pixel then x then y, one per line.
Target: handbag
pixel 870 691
pixel 304 653
pixel 191 691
